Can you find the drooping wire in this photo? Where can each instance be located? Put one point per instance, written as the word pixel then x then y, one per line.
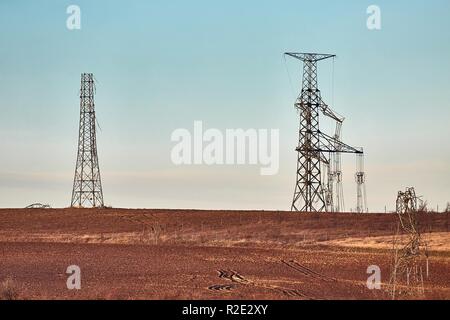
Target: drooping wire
pixel 95 83
pixel 95 91
pixel 290 78
pixel 332 83
pixel 98 124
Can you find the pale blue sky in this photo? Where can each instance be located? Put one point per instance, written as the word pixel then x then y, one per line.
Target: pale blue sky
pixel 163 64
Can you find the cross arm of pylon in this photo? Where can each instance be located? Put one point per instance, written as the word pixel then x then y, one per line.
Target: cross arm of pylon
pixel 303 56
pixel 330 144
pixel 330 113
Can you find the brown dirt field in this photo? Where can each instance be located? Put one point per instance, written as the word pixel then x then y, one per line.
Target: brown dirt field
pixel 189 254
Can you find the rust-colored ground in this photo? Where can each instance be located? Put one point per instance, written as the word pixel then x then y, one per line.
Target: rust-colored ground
pixel 182 254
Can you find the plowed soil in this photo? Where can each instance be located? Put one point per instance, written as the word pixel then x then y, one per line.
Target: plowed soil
pixel 188 254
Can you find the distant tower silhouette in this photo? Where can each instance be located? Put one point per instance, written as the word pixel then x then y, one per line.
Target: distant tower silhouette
pixel 87 186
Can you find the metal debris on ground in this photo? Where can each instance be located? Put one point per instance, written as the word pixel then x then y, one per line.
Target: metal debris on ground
pixel 411 256
pixel 38 206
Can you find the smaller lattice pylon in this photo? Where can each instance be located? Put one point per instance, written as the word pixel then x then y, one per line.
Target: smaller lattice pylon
pixel 360 178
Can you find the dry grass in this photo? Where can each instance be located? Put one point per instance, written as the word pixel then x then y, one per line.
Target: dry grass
pixel 9 290
pixel 438 241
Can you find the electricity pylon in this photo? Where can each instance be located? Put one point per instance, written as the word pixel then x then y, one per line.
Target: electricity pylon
pixel 311 193
pixel 360 177
pixel 87 186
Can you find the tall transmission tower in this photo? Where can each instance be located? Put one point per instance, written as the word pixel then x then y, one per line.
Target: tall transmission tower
pixel 360 177
pixel 314 147
pixel 87 185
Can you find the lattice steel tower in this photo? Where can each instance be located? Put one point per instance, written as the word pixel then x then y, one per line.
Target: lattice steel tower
pixel 87 186
pixel 314 147
pixel 360 178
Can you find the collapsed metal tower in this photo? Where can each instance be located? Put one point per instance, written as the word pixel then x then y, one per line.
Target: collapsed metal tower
pixel 317 151
pixel 410 256
pixel 87 186
pixel 406 202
